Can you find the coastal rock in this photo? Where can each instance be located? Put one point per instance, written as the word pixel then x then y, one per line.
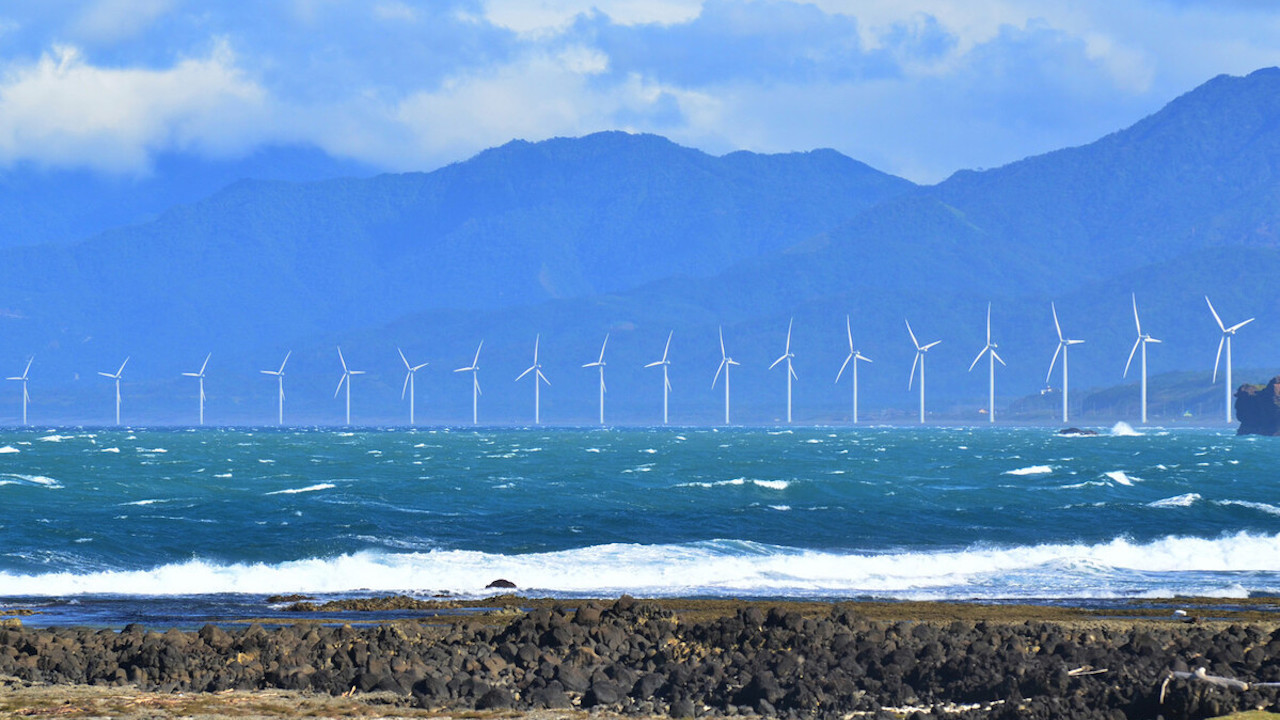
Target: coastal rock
pixel 501 583
pixel 1258 408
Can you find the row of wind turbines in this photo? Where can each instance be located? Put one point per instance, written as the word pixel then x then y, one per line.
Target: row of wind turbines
pixel 534 371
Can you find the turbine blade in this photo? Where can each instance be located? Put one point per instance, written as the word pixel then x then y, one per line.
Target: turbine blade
pixel 405 389
pixel 526 372
pixel 988 323
pixel 357 372
pixel 602 387
pixel 1215 314
pixel 982 352
pixel 604 345
pixel 196 375
pixel 716 379
pixel 121 370
pixel 205 364
pixel 416 368
pixel 731 361
pixel 1054 361
pixel 340 381
pixel 789 324
pixel 1222 340
pixel 1153 340
pixel 475 382
pixel 476 363
pixel 775 362
pixel 915 362
pixel 286 360
pixel 843 366
pixel 403 358
pixel 536 339
pixel 848 330
pixel 913 336
pixel 106 375
pixel 722 352
pixel 792 371
pixel 268 372
pixel 668 347
pixel 33 357
pixel 1136 321
pixel 668 384
pixel 465 369
pixel 1136 343
pixel 1074 342
pixel 996 355
pixel 1055 321
pixel 860 356
pixel 342 360
pixel 543 378
pixel 654 364
pixel 1233 328
pixel 926 347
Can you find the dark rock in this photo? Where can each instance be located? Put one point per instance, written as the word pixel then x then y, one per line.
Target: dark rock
pixel 501 583
pixel 495 699
pixel 549 698
pixel 1077 432
pixel 603 692
pixel 1258 408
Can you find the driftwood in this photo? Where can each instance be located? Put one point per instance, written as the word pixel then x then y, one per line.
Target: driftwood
pixel 1218 680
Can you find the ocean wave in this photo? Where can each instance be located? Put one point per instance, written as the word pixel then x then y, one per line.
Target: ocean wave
pixel 307 489
pixel 767 484
pixel 1264 507
pixel 1031 470
pixel 9 449
pixel 1124 429
pixel 1186 500
pixel 1117 568
pixel 41 480
pixel 1119 477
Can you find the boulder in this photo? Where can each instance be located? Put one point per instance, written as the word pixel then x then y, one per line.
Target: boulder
pixel 1258 408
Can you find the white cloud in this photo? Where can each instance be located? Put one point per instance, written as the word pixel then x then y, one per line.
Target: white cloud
pixel 115 20
pixel 540 16
pixel 63 111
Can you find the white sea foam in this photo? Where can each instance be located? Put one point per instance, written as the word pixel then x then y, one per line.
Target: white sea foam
pixel 307 489
pixel 110 450
pixel 720 568
pixel 1124 429
pixel 1264 507
pixel 1185 500
pixel 9 449
pixel 767 484
pixel 56 438
pixel 1032 470
pixel 16 479
pixel 145 502
pixel 1119 477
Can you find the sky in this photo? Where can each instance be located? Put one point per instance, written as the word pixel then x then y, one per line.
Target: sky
pixel 918 88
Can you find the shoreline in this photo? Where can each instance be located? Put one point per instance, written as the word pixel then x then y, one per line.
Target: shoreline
pixel 667 657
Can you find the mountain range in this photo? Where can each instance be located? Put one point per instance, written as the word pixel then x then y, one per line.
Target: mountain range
pixel 637 237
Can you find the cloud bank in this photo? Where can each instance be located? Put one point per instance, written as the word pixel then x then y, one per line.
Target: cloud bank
pixel 920 88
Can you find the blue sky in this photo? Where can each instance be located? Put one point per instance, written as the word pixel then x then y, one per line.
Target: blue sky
pixel 920 88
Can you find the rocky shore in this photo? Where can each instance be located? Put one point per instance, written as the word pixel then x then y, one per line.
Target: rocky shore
pixel 640 658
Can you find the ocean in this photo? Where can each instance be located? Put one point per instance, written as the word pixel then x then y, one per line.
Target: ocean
pixel 174 526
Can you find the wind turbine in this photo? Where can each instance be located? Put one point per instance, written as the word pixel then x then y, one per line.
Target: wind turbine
pixel 855 357
pixel 410 372
pixel 27 398
pixel 600 364
pixel 920 351
pixel 666 384
pixel 1063 345
pixel 725 362
pixel 346 379
pixel 1227 333
pixel 992 356
pixel 279 374
pixel 474 369
pixel 788 356
pixel 116 377
pixel 536 369
pixel 200 377
pixel 1143 339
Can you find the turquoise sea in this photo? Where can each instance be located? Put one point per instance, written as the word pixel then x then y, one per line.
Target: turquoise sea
pixel 165 524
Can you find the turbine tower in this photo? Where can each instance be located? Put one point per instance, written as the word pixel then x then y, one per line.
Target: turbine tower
pixel 536 369
pixel 116 377
pixel 1227 334
pixel 279 375
pixel 474 369
pixel 25 397
pixel 600 364
pixel 855 357
pixel 346 379
pixel 920 351
pixel 1063 345
pixel 200 376
pixel 725 362
pixel 1143 339
pixel 992 356
pixel 410 372
pixel 788 356
pixel 666 383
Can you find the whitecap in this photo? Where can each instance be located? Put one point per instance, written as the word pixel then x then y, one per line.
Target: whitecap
pixel 780 508
pixel 309 488
pixel 56 438
pixel 1031 470
pixel 1261 506
pixel 223 476
pixel 9 449
pixel 1124 429
pixel 14 479
pixel 110 450
pixel 773 484
pixel 1120 477
pixel 1185 500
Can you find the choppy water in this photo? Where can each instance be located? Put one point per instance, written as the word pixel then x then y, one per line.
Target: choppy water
pixel 116 518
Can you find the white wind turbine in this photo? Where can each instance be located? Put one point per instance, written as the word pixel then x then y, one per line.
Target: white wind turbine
pixel 1227 334
pixel 536 369
pixel 600 364
pixel 346 379
pixel 410 372
pixel 855 357
pixel 1143 339
pixel 920 351
pixel 279 375
pixel 725 362
pixel 474 369
pixel 992 356
pixel 25 397
pixel 116 376
pixel 200 377
pixel 788 356
pixel 666 383
pixel 1063 345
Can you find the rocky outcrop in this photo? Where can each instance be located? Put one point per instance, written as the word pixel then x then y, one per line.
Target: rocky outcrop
pixel 1258 408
